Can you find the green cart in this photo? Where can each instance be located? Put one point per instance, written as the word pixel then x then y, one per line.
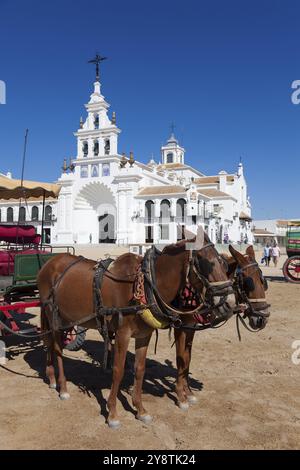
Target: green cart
pixel 291 268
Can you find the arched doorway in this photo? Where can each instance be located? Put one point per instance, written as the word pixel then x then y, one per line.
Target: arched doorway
pixel 95 215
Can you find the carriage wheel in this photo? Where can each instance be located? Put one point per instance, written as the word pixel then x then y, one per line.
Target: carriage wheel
pixel 291 269
pixel 74 339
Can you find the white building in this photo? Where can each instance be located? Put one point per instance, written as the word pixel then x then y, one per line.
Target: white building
pixel 107 197
pixel 267 230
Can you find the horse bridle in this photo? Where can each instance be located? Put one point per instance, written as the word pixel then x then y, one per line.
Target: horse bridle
pixel 243 297
pixel 212 289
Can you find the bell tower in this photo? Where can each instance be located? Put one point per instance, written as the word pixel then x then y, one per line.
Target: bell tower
pixel 172 152
pixel 97 136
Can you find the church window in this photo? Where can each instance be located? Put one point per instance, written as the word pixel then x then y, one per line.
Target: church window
pixel 10 214
pixel 95 171
pixel 149 234
pixel 180 209
pixel 164 232
pixel 22 215
pixel 107 147
pixel 165 210
pixel 96 121
pixel 48 213
pixel 180 232
pixel 35 213
pixel 96 148
pixel 105 169
pixel 85 149
pixel 84 171
pixel 149 211
pixel 170 157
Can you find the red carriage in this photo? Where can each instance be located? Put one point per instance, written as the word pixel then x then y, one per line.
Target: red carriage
pixel 22 254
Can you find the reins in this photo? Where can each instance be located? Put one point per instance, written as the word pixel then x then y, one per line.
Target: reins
pixel 242 296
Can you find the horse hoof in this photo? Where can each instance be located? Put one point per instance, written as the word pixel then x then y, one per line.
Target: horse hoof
pixel 52 386
pixel 146 419
pixel 64 396
pixel 114 423
pixel 192 399
pixel 184 406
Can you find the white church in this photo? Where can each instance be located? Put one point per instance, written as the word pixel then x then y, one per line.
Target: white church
pixel 106 197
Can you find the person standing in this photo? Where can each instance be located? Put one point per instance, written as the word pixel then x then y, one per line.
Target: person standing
pixel 275 253
pixel 267 254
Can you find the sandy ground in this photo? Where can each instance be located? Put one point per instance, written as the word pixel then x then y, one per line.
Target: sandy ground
pixel 248 392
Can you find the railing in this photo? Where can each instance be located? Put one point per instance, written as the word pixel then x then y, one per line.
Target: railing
pixel 29 222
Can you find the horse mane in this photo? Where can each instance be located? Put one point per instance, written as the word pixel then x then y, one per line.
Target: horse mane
pixel 175 248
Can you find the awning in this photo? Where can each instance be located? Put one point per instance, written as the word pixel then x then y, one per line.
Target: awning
pixel 244 216
pixel 19 234
pixel 12 189
pixel 293 223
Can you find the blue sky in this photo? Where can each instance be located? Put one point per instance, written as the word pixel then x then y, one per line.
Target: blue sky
pixel 221 70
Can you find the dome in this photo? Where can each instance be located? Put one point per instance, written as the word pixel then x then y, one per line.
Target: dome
pixel 172 140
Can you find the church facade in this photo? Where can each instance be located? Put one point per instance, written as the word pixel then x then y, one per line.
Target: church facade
pixel 106 197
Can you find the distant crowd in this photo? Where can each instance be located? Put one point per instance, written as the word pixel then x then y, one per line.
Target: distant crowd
pixel 271 252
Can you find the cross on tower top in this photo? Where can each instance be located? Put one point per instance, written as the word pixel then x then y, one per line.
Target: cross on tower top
pixel 97 59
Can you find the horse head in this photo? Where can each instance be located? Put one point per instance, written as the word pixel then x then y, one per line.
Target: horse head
pixel 250 288
pixel 208 274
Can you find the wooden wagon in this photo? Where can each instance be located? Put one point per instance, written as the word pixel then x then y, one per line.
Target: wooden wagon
pixel 291 268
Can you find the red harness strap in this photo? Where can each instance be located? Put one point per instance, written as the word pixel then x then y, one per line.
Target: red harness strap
pixel 138 287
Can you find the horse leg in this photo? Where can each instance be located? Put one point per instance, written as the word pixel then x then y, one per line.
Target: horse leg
pixel 49 343
pixel 183 340
pixel 120 350
pixel 50 371
pixel 188 351
pixel 141 347
pixel 62 382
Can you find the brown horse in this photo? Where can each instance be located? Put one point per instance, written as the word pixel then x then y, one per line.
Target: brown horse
pixel 66 290
pixel 249 287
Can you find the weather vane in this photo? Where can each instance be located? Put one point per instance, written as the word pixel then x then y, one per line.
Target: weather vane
pixel 172 126
pixel 97 59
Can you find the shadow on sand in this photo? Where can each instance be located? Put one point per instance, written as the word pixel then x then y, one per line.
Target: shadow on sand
pixel 275 278
pixel 92 380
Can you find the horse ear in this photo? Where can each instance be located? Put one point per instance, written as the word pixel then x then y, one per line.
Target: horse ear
pixel 250 252
pixel 237 256
pixel 231 263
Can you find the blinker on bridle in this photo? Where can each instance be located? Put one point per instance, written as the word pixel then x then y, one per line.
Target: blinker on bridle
pixel 244 296
pixel 214 288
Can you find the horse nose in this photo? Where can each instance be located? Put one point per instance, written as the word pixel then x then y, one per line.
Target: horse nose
pixel 258 322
